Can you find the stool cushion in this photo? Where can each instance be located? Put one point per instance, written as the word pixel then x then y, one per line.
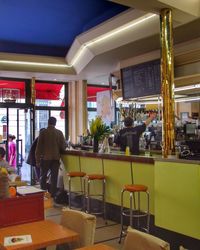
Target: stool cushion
pixel 95 177
pixel 135 188
pixel 76 174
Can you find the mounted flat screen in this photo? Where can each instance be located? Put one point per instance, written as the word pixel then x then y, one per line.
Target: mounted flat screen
pixel 141 80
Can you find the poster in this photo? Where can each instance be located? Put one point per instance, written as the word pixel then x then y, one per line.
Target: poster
pixel 105 106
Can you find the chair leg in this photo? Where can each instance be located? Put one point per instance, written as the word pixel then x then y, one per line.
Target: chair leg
pixel 122 217
pixel 69 181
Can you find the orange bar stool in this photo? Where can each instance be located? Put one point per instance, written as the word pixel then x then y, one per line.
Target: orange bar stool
pixel 73 175
pixel 89 179
pixel 135 211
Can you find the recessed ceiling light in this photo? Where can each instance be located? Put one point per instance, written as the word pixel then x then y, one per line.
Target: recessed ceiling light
pixel 194 86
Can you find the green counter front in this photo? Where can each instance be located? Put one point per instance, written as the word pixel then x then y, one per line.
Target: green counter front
pixel 174 185
pixel 177 196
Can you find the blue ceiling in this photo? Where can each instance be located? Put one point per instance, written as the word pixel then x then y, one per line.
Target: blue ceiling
pixel 48 27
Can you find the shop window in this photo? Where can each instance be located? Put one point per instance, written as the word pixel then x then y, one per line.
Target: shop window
pixel 49 94
pixel 12 91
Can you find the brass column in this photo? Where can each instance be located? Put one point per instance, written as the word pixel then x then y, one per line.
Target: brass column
pixel 33 94
pixel 167 81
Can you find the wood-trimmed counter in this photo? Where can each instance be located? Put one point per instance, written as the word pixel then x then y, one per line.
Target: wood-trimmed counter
pixel 174 185
pixel 112 156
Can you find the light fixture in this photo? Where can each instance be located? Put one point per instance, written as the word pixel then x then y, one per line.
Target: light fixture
pixel 187 99
pixel 120 29
pixel 158 100
pixel 194 86
pixel 85 45
pixel 109 35
pixel 35 63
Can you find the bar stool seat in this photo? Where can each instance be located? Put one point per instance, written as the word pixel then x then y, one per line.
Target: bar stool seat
pixel 135 207
pixel 95 176
pixel 76 174
pixel 88 194
pixel 135 188
pixel 72 175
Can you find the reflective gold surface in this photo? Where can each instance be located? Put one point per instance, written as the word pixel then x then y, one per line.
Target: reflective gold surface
pixel 33 94
pixel 167 81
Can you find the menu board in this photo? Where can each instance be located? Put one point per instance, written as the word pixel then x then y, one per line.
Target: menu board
pixel 141 80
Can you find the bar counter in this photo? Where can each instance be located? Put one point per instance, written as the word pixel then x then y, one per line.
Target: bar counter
pixel 174 184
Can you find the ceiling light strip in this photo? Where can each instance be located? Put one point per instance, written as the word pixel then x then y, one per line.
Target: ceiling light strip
pixel 108 35
pixel 195 86
pixel 145 102
pixel 84 46
pixel 189 99
pixel 119 30
pixel 35 63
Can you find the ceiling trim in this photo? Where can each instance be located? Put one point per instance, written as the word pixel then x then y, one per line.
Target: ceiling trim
pixel 83 53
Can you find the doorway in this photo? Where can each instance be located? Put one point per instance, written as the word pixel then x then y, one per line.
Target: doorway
pixel 18 123
pixel 23 118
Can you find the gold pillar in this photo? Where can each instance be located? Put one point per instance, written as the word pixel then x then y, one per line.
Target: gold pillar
pixel 167 80
pixel 33 94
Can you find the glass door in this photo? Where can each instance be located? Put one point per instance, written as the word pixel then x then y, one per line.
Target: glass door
pixel 16 136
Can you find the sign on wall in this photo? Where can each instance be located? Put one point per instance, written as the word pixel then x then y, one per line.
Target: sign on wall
pixel 105 106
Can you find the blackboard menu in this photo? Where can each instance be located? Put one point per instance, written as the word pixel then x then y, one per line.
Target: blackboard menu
pixel 141 80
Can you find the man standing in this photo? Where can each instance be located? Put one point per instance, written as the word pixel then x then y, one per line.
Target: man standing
pixel 51 143
pixel 130 136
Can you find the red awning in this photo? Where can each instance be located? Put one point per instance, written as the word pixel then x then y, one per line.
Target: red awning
pixel 45 91
pixel 92 92
pixel 5 84
pixel 48 91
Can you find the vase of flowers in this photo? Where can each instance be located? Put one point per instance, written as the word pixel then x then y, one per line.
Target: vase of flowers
pixel 98 130
pixel 95 145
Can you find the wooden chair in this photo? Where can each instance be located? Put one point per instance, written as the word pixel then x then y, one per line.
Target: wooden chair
pixel 137 240
pixel 82 223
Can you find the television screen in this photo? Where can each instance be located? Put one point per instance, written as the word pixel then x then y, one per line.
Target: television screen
pixel 141 80
pixel 190 129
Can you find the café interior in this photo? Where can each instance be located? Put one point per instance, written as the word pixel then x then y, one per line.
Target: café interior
pixel 80 60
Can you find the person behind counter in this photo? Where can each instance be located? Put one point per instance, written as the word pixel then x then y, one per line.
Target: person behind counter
pixel 130 136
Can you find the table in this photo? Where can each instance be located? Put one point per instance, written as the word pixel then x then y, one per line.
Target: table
pixel 21 209
pixel 44 233
pixel 97 247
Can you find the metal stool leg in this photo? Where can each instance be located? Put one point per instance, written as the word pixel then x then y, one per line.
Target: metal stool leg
pixel 122 217
pixel 135 206
pixel 104 200
pixel 71 176
pixel 148 213
pixel 69 193
pixel 89 194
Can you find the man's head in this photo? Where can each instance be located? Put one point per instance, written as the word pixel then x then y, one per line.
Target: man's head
pixel 52 121
pixel 2 152
pixel 128 121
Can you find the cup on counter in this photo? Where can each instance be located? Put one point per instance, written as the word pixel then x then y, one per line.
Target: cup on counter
pixel 127 151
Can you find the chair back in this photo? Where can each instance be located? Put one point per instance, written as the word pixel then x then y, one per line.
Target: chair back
pixel 82 223
pixel 136 240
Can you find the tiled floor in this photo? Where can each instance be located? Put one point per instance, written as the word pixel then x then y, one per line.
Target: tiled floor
pixel 105 233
